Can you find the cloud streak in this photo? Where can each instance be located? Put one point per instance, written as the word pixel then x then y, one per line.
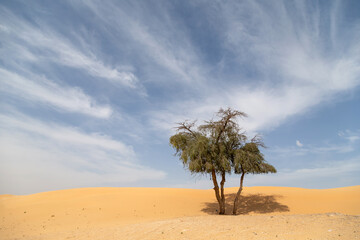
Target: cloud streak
pixel 158 38
pixel 275 61
pixel 41 90
pixel 42 44
pixel 294 67
pixel 37 156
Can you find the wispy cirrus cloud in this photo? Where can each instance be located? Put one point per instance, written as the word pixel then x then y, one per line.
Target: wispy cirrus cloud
pixel 283 59
pixel 160 41
pixel 275 61
pixel 38 156
pixel 41 90
pixel 37 42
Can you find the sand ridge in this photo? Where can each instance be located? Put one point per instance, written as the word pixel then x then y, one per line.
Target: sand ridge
pixel 104 211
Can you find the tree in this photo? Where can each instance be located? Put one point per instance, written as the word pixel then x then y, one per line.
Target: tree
pixel 249 159
pixel 218 148
pixel 209 148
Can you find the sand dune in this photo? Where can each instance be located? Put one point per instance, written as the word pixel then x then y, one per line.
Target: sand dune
pixel 162 213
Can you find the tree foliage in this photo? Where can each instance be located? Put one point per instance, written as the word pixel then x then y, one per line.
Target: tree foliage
pixel 219 148
pixel 249 159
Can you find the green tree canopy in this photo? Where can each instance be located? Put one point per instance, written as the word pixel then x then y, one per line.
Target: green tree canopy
pixel 218 148
pixel 249 159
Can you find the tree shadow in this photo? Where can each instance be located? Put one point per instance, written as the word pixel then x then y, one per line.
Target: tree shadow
pixel 253 203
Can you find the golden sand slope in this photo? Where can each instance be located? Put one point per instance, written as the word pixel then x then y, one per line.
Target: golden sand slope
pixel 160 213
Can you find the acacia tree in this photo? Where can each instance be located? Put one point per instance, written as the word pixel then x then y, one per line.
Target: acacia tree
pixel 217 148
pixel 249 159
pixel 209 148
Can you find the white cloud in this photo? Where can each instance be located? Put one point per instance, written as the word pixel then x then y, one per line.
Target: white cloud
pixel 40 89
pixel 287 49
pixel 347 144
pixel 289 63
pixel 18 34
pixel 37 156
pixel 351 136
pixel 298 143
pixel 156 36
pixel 296 69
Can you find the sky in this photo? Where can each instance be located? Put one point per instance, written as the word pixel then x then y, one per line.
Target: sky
pixel 90 91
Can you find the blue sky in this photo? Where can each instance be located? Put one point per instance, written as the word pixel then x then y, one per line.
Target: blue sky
pixel 90 91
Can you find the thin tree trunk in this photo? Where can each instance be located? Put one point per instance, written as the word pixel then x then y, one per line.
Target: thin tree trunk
pixel 217 193
pixel 222 193
pixel 236 201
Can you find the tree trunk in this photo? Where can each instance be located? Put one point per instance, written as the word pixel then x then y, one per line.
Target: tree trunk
pixel 217 193
pixel 222 192
pixel 236 201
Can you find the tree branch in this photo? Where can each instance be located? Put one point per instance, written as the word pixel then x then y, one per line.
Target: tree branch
pixel 187 127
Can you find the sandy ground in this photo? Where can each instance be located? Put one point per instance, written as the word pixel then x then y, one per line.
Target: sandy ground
pixel 160 213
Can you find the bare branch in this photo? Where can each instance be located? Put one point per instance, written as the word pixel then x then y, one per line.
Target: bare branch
pixel 257 139
pixel 226 116
pixel 186 126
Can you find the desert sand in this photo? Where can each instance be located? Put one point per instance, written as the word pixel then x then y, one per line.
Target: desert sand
pixel 164 213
